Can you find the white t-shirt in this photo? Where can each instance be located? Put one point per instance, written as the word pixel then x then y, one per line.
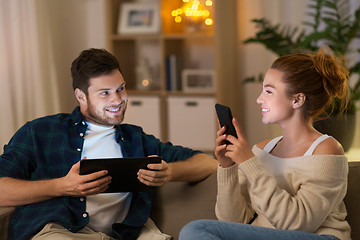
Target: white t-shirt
pixel 106 208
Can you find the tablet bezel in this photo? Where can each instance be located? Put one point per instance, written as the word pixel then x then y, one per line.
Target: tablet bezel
pixel 122 170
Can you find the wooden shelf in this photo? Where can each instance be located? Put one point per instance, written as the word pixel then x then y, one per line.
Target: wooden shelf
pixel 144 92
pixel 162 36
pixel 199 94
pixel 188 36
pixel 193 50
pixel 135 37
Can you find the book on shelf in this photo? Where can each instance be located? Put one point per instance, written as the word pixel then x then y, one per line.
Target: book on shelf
pixel 172 73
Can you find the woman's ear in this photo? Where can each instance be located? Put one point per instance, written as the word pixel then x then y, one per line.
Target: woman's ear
pixel 299 100
pixel 80 96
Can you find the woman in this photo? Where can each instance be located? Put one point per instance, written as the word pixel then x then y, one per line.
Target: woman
pixel 292 186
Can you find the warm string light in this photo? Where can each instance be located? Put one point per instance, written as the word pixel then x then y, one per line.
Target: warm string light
pixel 193 9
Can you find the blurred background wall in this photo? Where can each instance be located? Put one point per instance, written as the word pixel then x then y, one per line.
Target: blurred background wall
pixel 40 38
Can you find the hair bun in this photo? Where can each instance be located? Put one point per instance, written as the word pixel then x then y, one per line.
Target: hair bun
pixel 333 70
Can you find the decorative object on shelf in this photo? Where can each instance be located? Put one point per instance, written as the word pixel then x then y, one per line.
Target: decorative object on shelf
pixel 144 75
pixel 139 18
pixel 198 80
pixel 334 24
pixel 197 14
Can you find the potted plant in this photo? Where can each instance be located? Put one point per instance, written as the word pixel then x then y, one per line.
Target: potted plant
pixel 332 25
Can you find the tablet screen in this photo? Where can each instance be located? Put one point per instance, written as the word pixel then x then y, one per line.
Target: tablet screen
pixel 122 170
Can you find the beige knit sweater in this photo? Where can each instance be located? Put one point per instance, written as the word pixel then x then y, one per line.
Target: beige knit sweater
pixel 302 193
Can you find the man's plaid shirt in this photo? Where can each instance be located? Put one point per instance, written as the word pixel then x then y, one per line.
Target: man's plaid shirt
pixel 47 147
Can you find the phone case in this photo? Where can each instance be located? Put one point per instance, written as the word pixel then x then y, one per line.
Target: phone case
pixel 225 119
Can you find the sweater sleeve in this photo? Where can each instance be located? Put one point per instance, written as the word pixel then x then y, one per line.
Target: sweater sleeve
pixel 320 183
pixel 233 203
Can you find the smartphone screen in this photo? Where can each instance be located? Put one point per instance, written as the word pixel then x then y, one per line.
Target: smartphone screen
pixel 225 119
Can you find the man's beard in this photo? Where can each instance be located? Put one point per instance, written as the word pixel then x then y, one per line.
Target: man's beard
pixel 101 118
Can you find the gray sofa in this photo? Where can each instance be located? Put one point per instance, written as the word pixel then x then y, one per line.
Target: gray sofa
pixel 176 204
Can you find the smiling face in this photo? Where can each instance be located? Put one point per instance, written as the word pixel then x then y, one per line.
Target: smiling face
pixel 106 101
pixel 276 105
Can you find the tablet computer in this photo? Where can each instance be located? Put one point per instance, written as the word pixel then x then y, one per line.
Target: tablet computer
pixel 122 170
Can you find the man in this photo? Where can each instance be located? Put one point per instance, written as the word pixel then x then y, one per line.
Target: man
pixel 39 169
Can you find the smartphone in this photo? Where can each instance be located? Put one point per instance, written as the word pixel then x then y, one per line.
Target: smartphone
pixel 225 119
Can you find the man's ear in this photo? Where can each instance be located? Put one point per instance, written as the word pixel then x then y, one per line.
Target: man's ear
pixel 80 96
pixel 299 100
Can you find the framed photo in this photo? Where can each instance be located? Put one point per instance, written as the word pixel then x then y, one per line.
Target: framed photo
pixel 139 18
pixel 198 80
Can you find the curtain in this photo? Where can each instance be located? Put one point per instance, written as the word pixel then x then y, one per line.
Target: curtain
pixel 28 86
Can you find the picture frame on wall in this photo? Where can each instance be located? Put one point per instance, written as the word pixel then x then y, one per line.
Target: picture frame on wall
pixel 139 18
pixel 198 80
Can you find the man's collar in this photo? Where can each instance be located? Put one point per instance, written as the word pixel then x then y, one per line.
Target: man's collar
pixel 79 120
pixel 77 117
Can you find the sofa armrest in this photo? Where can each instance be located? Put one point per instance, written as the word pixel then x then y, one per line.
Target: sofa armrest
pixel 5 215
pixel 352 199
pixel 177 203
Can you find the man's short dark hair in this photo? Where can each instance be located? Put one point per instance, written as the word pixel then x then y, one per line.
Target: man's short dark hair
pixel 92 63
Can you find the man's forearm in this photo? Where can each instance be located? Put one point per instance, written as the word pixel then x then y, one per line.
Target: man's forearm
pixel 194 169
pixel 16 192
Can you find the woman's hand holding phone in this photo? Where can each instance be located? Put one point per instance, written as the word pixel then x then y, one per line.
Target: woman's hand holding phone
pixel 231 146
pixel 220 149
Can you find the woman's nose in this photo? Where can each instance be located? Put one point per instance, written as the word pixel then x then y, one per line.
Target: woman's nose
pixel 259 99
